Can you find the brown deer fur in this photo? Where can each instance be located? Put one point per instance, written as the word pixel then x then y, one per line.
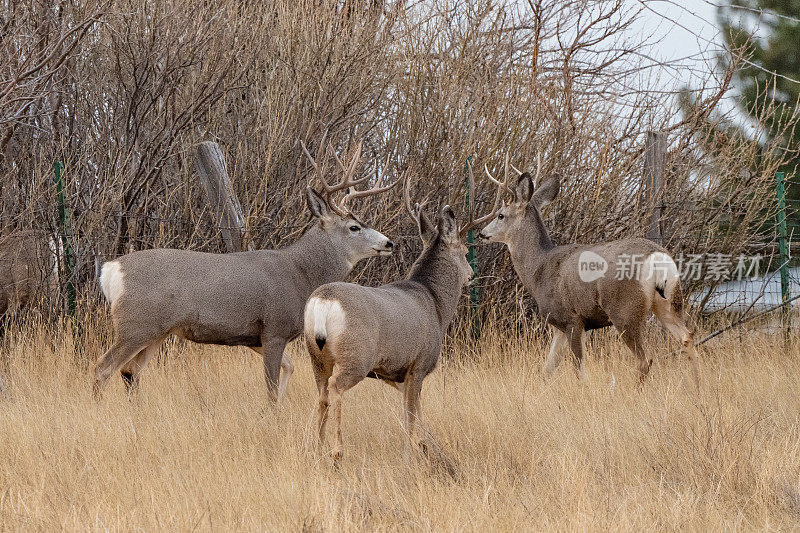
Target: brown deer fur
pixel 572 305
pixel 250 299
pixel 393 332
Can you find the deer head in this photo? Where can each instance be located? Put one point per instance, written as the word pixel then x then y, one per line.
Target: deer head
pixel 345 230
pixel 522 212
pixel 442 240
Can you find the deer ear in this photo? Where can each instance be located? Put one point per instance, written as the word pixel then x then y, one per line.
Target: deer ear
pixel 426 228
pixel 317 204
pixel 524 187
pixel 548 190
pixel 448 227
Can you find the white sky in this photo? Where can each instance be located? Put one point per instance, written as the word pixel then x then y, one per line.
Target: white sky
pixel 685 32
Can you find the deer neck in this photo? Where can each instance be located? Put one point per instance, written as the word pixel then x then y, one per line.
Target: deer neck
pixel 531 242
pixel 439 275
pixel 316 260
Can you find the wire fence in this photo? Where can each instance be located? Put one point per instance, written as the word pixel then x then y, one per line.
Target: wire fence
pixel 588 102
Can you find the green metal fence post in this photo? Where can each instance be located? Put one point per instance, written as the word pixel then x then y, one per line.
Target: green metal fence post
pixel 783 250
pixel 472 258
pixel 63 217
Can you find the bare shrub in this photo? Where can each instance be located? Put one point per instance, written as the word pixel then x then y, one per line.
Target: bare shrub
pixel 428 85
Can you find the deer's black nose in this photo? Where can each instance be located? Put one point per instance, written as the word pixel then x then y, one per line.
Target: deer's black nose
pixel 389 244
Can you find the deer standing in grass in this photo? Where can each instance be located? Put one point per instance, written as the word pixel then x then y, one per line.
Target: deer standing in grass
pixel 27 271
pixel 578 287
pixel 393 332
pixel 252 299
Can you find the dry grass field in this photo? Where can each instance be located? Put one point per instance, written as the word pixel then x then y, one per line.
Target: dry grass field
pixel 200 448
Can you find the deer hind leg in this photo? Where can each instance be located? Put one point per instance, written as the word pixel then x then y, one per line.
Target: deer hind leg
pixel 675 325
pixel 557 345
pixel 575 337
pixel 338 383
pixel 132 370
pixel 120 353
pixel 322 373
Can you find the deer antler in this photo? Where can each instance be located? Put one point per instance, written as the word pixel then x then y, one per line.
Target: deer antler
pixel 413 212
pixel 378 186
pixel 348 182
pixel 501 187
pixel 536 181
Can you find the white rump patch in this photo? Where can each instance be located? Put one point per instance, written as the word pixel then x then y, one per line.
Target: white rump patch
pixel 324 319
pixel 112 281
pixel 659 272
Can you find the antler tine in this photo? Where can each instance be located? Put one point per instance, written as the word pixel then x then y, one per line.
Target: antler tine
pixel 473 222
pixel 375 189
pixel 414 214
pixel 486 218
pixel 501 184
pixel 538 167
pixel 327 188
pixel 348 182
pixel 378 187
pixel 349 170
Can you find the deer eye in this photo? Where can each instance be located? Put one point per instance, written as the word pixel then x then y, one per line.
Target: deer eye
pixel 501 216
pixel 354 228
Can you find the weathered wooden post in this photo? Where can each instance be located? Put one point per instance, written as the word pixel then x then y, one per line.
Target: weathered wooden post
pixel 210 166
pixel 654 162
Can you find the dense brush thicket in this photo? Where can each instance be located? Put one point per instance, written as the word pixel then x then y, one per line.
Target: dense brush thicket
pixel 121 91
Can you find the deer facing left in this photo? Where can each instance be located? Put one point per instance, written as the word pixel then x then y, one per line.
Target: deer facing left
pixel 252 299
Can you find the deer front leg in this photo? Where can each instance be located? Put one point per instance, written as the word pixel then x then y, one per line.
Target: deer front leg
pixel 287 369
pixel 413 411
pixel 575 337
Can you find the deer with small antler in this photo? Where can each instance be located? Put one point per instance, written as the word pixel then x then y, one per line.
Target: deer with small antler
pixel 581 287
pixel 252 299
pixel 393 332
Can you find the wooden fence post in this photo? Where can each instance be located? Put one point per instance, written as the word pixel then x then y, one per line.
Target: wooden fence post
pixel 654 162
pixel 210 166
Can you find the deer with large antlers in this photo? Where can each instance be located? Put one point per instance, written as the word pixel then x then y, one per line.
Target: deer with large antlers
pixel 581 287
pixel 393 332
pixel 252 299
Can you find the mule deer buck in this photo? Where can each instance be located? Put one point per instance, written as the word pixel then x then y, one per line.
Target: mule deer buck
pixel 252 299
pixel 580 287
pixel 393 332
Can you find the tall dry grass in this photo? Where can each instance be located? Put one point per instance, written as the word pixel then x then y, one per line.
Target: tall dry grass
pixel 201 448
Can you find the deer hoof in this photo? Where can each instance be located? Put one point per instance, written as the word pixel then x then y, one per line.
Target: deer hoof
pixel 336 455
